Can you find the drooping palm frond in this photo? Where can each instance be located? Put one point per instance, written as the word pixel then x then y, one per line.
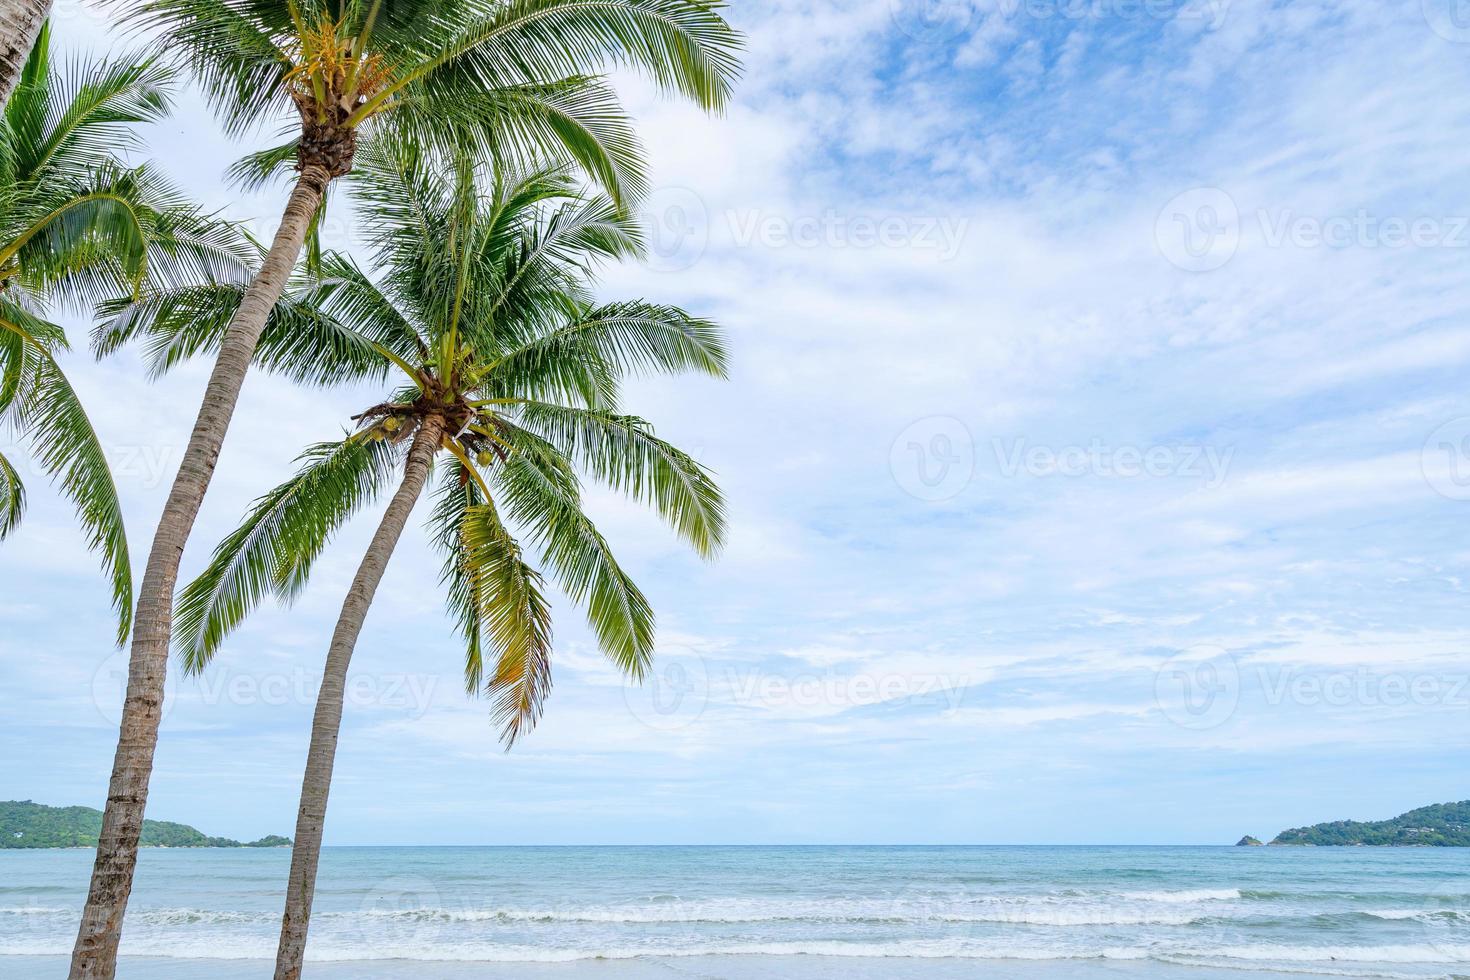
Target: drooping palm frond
pixel 454 498
pixel 273 549
pixel 12 496
pixel 623 452
pixel 515 617
pixel 539 490
pixel 46 409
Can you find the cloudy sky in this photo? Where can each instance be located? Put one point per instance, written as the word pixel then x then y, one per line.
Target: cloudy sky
pixel 1097 448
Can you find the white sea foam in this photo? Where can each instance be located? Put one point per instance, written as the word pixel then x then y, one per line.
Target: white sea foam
pixel 1185 895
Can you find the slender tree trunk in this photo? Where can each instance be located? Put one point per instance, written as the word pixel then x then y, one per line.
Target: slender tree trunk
pixel 317 782
pixel 20 25
pixel 95 954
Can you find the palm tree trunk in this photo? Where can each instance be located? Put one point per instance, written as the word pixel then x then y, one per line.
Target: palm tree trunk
pixel 20 24
pixel 95 954
pixel 317 782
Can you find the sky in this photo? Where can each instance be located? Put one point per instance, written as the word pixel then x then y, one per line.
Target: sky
pixel 1096 444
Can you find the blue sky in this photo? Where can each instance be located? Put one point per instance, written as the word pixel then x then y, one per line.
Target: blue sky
pixel 1097 448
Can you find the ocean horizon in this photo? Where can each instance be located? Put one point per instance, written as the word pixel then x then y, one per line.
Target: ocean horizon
pixel 741 911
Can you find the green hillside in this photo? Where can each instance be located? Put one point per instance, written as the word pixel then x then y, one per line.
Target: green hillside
pixel 1440 825
pixel 27 824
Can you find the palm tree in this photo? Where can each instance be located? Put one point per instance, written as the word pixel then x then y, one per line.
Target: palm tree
pixel 507 79
pixel 75 226
pixel 20 26
pixel 513 373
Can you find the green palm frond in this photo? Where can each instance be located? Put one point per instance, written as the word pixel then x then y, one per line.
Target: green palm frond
pixel 233 56
pixel 621 451
pixel 12 496
pixel 611 340
pixel 684 46
pixel 540 493
pixel 455 497
pixel 301 340
pixel 83 116
pixel 256 170
pixel 274 549
pixel 46 409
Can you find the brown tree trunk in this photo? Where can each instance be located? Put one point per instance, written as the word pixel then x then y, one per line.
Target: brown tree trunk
pixel 95 954
pixel 317 782
pixel 20 25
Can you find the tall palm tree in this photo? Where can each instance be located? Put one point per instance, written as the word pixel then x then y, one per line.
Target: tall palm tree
pixel 508 79
pixel 77 225
pixel 512 373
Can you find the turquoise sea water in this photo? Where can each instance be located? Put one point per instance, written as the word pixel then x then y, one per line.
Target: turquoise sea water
pixel 623 912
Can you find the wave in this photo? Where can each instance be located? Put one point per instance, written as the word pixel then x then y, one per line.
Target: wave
pixel 867 913
pixel 1185 895
pixel 1262 957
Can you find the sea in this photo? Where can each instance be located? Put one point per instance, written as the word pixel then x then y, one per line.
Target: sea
pixel 824 913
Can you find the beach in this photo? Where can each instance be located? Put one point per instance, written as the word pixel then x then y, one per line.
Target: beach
pixel 736 913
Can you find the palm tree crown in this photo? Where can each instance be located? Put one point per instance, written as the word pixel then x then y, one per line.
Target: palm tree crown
pixel 483 308
pixel 509 80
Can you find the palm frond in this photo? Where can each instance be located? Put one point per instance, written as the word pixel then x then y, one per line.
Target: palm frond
pixel 47 410
pixel 12 497
pixel 539 490
pixel 273 550
pixel 623 452
pixel 516 618
pixel 301 340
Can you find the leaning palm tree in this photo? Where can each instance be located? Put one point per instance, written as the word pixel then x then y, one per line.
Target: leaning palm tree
pixel 511 373
pixel 507 79
pixel 77 225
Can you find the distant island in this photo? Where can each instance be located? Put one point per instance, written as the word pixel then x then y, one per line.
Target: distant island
pixel 27 824
pixel 1440 825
